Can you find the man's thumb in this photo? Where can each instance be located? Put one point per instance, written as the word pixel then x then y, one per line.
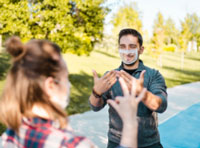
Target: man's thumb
pixel 94 74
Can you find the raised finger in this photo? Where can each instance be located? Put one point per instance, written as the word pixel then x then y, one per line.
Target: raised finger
pixel 124 86
pixel 112 80
pixel 142 76
pixel 126 74
pixel 134 87
pixel 113 104
pixel 112 75
pixel 109 73
pixel 142 95
pixel 126 79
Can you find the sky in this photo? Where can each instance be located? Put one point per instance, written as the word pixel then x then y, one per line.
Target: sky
pixel 175 9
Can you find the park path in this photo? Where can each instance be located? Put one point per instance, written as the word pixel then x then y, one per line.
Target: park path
pixel 183 101
pixel 94 125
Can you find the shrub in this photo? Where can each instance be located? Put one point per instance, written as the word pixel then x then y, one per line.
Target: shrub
pixel 169 48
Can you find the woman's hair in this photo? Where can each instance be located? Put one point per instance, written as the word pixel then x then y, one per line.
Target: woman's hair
pixel 32 63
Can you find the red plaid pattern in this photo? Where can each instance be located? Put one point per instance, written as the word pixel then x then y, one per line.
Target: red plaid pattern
pixel 42 133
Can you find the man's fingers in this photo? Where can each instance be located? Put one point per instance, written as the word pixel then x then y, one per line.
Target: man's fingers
pixel 126 79
pixel 113 104
pixel 126 74
pixel 112 81
pixel 95 74
pixel 107 75
pixel 110 78
pixel 142 95
pixel 124 86
pixel 142 76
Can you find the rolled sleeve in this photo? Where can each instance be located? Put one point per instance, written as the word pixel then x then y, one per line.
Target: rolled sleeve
pixel 96 108
pixel 105 97
pixel 158 88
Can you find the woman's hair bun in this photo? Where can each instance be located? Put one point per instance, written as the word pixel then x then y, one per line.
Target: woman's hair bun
pixel 15 47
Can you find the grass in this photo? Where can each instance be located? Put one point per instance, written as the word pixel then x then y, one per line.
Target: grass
pixel 80 68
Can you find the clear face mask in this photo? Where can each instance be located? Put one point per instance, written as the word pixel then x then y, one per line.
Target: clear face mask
pixel 128 56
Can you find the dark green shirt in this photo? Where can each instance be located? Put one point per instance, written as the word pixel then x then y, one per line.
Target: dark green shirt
pixel 147 133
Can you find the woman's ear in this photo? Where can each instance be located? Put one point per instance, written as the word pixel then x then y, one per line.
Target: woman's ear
pixel 141 50
pixel 49 86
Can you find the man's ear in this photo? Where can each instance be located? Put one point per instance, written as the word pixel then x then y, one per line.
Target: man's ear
pixel 141 50
pixel 49 86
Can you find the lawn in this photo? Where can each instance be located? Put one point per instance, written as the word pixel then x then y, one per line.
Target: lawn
pixel 80 69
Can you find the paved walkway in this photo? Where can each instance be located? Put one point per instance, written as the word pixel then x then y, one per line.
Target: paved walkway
pixel 183 100
pixel 95 124
pixel 182 130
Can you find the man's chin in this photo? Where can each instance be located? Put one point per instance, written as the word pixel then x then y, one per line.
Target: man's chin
pixel 129 64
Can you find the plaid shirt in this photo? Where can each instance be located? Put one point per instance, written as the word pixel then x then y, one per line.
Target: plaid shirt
pixel 42 133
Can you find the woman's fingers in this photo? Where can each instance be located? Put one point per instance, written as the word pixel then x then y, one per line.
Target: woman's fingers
pixel 142 95
pixel 124 86
pixel 113 104
pixel 134 87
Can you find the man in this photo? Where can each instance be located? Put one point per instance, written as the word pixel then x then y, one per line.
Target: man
pixel 132 69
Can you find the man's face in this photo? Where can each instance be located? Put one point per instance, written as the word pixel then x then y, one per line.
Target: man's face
pixel 129 43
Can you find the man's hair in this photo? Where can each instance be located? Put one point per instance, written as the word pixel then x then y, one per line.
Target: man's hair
pixel 130 31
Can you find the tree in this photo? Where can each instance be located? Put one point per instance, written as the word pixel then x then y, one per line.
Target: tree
pixel 158 32
pixel 190 30
pixel 158 37
pixel 171 32
pixel 75 25
pixel 127 16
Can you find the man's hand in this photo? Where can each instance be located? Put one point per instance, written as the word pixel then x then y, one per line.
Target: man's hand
pixel 104 83
pixel 130 80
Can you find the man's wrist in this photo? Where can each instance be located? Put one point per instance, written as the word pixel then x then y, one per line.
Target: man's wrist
pixel 95 94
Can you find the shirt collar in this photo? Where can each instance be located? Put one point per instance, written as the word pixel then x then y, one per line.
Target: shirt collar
pixel 37 121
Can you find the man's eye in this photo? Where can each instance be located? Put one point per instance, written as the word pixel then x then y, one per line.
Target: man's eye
pixel 122 47
pixel 133 47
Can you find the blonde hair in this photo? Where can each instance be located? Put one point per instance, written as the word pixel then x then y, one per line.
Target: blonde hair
pixel 31 64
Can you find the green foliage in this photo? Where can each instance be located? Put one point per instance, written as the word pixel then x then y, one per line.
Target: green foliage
pixel 169 48
pixel 4 65
pixel 82 84
pixel 75 25
pixel 171 32
pixel 127 16
pixel 158 32
pixel 190 30
pixel 2 128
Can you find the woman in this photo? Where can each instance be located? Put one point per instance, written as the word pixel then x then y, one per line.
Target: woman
pixel 37 91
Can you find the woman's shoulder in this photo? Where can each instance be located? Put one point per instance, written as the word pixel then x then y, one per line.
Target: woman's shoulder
pixel 68 138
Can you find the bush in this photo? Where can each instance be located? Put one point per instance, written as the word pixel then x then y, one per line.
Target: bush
pixel 169 48
pixel 2 128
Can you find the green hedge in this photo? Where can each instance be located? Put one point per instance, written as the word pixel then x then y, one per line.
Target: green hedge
pixel 169 48
pixel 2 128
